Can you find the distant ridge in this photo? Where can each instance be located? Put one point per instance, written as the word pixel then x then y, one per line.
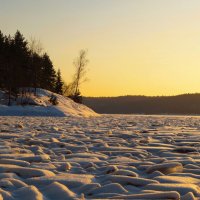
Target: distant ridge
pixel 179 104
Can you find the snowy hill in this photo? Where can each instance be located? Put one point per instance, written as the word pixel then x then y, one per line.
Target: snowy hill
pixel 41 106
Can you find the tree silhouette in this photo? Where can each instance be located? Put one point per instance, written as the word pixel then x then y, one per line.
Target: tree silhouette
pixel 22 65
pixel 59 83
pixel 80 64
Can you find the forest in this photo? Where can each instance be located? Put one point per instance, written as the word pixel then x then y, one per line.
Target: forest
pixel 24 65
pixel 180 104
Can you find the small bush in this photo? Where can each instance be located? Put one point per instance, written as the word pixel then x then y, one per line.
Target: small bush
pixel 54 100
pixel 76 98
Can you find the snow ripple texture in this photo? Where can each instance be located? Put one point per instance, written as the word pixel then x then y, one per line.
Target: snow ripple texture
pixel 105 157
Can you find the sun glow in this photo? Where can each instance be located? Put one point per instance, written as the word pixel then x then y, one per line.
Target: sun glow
pixel 134 47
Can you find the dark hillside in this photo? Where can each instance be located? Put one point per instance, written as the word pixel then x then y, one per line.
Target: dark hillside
pixel 180 104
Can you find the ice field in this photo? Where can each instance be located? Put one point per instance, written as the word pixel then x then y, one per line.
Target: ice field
pixel 104 157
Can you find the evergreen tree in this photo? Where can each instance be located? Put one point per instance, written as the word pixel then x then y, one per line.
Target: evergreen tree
pixel 36 70
pixel 20 57
pixel 2 66
pixel 35 48
pixel 59 83
pixel 8 67
pixel 48 74
pixel 22 66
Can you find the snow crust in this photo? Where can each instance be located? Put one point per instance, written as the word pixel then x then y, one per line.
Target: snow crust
pixel 104 157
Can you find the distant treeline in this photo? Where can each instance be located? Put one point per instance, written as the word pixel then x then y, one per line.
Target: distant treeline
pixel 23 65
pixel 180 104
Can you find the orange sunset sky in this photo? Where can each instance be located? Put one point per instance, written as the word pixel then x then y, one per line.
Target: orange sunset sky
pixel 135 47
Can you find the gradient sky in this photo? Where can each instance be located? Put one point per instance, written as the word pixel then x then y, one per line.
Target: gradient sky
pixel 149 47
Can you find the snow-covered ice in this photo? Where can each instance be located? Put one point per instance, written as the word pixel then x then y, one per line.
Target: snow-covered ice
pixel 101 157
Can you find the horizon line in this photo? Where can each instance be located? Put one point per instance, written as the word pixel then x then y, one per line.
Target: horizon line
pixel 132 95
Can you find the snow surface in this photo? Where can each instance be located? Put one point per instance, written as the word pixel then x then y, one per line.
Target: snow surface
pixel 104 157
pixel 43 107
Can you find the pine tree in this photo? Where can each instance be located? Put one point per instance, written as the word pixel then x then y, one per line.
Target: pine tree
pixel 22 66
pixel 59 83
pixel 2 66
pixel 48 74
pixel 36 70
pixel 20 59
pixel 8 67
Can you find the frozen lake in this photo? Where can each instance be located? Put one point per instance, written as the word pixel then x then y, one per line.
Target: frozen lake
pixel 106 157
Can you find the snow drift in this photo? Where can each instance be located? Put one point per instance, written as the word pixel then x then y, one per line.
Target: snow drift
pixel 41 106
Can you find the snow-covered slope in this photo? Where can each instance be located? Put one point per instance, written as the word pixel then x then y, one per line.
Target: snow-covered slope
pixel 43 107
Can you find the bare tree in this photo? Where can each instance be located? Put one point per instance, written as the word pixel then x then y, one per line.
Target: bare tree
pixel 80 64
pixel 35 46
pixel 67 89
